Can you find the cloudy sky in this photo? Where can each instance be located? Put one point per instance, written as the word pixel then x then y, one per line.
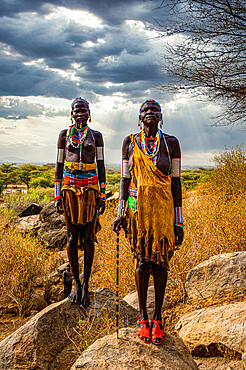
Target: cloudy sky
pixel 105 51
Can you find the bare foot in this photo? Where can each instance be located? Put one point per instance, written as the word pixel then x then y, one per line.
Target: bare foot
pixel 85 301
pixel 75 296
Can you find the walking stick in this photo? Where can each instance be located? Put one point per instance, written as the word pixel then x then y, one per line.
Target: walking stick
pixel 117 284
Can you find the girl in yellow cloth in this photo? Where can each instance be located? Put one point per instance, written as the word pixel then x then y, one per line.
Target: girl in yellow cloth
pixel 81 148
pixel 150 210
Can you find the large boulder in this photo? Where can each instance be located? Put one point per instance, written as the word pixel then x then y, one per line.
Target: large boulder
pixel 220 274
pixel 24 224
pixel 128 352
pixel 132 298
pixel 52 228
pixel 215 330
pixel 46 340
pixel 33 209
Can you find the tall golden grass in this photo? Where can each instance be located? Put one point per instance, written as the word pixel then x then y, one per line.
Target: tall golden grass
pixel 22 261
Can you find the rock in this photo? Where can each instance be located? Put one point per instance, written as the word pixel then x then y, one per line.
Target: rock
pixel 62 268
pixel 224 273
pixel 244 360
pixel 115 196
pixel 38 303
pixel 55 277
pixel 62 257
pixel 24 224
pixel 128 352
pixel 108 193
pixel 53 238
pixel 33 209
pixel 215 330
pixel 49 214
pixel 132 299
pixel 46 340
pixel 52 230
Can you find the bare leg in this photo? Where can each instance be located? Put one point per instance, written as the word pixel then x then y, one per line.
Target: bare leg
pixel 142 282
pixel 88 260
pixel 160 281
pixel 72 252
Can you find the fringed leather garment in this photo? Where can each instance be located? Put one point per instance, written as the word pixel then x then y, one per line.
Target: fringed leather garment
pixel 151 227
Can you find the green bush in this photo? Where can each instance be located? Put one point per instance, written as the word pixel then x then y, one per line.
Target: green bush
pixel 41 182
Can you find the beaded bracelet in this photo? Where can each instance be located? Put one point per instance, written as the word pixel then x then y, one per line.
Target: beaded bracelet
pixel 180 225
pixel 57 189
pixel 103 191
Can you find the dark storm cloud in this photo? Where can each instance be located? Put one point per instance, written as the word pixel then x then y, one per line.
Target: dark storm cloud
pixel 121 56
pixel 111 11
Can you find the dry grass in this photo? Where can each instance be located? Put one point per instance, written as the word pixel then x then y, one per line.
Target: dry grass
pixel 22 261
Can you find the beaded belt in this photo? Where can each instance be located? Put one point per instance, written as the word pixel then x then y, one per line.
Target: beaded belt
pixel 81 166
pixel 68 181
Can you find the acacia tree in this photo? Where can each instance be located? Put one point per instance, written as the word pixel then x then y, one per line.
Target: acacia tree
pixel 210 57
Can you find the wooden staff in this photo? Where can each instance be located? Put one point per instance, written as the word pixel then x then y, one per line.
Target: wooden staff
pixel 117 284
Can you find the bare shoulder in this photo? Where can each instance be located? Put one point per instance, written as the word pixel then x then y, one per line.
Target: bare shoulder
pixel 62 138
pixel 174 145
pixel 98 137
pixel 63 133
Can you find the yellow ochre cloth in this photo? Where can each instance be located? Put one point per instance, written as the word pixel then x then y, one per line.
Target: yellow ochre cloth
pixel 154 238
pixel 79 205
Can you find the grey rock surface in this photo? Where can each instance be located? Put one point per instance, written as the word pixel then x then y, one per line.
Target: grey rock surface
pixel 33 209
pixel 128 352
pixel 132 298
pixel 52 228
pixel 46 340
pixel 220 328
pixel 220 274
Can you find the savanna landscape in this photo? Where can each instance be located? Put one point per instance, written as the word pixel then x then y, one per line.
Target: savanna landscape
pixel 214 205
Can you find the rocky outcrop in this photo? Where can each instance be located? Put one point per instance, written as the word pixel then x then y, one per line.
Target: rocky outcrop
pixel 33 209
pixel 46 340
pixel 132 298
pixel 24 224
pixel 128 352
pixel 52 228
pixel 215 330
pixel 221 274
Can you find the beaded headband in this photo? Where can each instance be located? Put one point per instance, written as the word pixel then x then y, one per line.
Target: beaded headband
pixel 80 99
pixel 150 101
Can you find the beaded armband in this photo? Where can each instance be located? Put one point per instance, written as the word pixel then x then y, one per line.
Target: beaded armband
pixel 178 217
pixel 121 208
pixel 57 189
pixel 103 191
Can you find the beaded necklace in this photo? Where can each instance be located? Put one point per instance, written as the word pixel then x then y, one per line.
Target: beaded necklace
pixel 77 136
pixel 154 149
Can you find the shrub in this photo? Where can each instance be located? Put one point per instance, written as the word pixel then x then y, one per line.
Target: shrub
pixel 41 182
pixel 229 176
pixel 22 261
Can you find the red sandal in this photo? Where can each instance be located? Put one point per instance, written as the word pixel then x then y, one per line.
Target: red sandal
pixel 144 330
pixel 157 331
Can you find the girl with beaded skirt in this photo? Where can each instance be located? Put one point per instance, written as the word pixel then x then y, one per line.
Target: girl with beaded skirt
pixel 150 210
pixel 79 169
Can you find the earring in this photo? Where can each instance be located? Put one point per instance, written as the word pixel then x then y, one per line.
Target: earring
pixel 71 118
pixel 139 125
pixel 89 118
pixel 161 123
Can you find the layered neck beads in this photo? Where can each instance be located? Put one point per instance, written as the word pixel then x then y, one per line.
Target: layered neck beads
pixel 77 135
pixel 153 150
